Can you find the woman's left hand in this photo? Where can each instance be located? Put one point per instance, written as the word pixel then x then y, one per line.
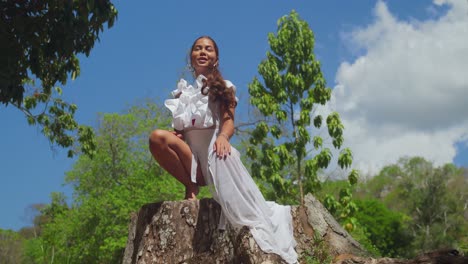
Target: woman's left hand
pixel 222 147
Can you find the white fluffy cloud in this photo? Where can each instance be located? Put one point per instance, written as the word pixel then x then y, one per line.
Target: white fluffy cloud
pixel 407 93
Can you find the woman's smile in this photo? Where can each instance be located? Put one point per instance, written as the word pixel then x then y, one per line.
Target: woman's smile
pixel 204 57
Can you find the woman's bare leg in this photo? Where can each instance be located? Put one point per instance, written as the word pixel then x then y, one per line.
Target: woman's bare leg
pixel 175 156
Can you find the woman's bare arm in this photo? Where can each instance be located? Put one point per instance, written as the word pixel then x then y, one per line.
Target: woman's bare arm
pixel 222 147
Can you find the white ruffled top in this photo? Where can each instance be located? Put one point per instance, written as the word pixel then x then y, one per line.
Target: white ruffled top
pixel 190 109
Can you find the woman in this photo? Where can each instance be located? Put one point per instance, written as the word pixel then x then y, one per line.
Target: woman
pixel 199 153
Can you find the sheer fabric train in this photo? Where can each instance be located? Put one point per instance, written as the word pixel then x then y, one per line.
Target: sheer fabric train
pixel 232 187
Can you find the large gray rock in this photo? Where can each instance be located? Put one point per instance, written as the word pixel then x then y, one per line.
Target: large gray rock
pixel 186 232
pixel 338 240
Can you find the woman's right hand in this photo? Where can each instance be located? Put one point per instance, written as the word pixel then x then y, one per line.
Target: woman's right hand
pixel 179 134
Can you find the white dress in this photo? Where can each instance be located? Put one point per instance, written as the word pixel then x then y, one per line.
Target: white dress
pixel 232 187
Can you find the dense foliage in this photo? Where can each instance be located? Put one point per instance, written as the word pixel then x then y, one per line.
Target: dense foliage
pixel 120 178
pixel 433 198
pixel 385 229
pixel 410 207
pixel 40 42
pixel 11 247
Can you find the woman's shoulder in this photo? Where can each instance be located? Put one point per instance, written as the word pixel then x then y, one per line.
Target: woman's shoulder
pixel 229 84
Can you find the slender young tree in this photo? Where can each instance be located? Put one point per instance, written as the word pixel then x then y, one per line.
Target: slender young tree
pixel 283 151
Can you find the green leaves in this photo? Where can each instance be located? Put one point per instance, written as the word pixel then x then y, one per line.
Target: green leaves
pixel 330 203
pixel 318 121
pixel 384 228
pixel 324 158
pixel 262 98
pixel 412 206
pixel 41 45
pixel 353 177
pixel 284 155
pixel 260 132
pixel 44 40
pixel 58 123
pixel 345 158
pixel 87 141
pixel 275 131
pixel 292 84
pixel 12 245
pixel 317 142
pixel 335 129
pixel 121 177
pixel 311 170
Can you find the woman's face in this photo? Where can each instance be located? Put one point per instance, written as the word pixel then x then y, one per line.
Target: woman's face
pixel 203 57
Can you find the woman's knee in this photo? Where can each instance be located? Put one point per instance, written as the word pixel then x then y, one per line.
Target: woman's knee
pixel 158 139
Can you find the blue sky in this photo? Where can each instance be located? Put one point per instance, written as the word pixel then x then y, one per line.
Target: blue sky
pixel 359 44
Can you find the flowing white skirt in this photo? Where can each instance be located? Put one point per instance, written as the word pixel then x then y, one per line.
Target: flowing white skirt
pixel 241 201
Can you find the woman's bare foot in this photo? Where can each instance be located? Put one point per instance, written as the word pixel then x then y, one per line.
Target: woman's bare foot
pixel 191 192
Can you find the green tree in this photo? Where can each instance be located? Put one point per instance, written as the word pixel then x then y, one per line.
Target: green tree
pixel 436 209
pixel 120 178
pixel 434 199
pixel 40 41
pixel 292 85
pixel 38 247
pixel 11 247
pixel 387 230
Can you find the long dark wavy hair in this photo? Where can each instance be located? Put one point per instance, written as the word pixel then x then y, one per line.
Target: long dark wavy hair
pixel 218 91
